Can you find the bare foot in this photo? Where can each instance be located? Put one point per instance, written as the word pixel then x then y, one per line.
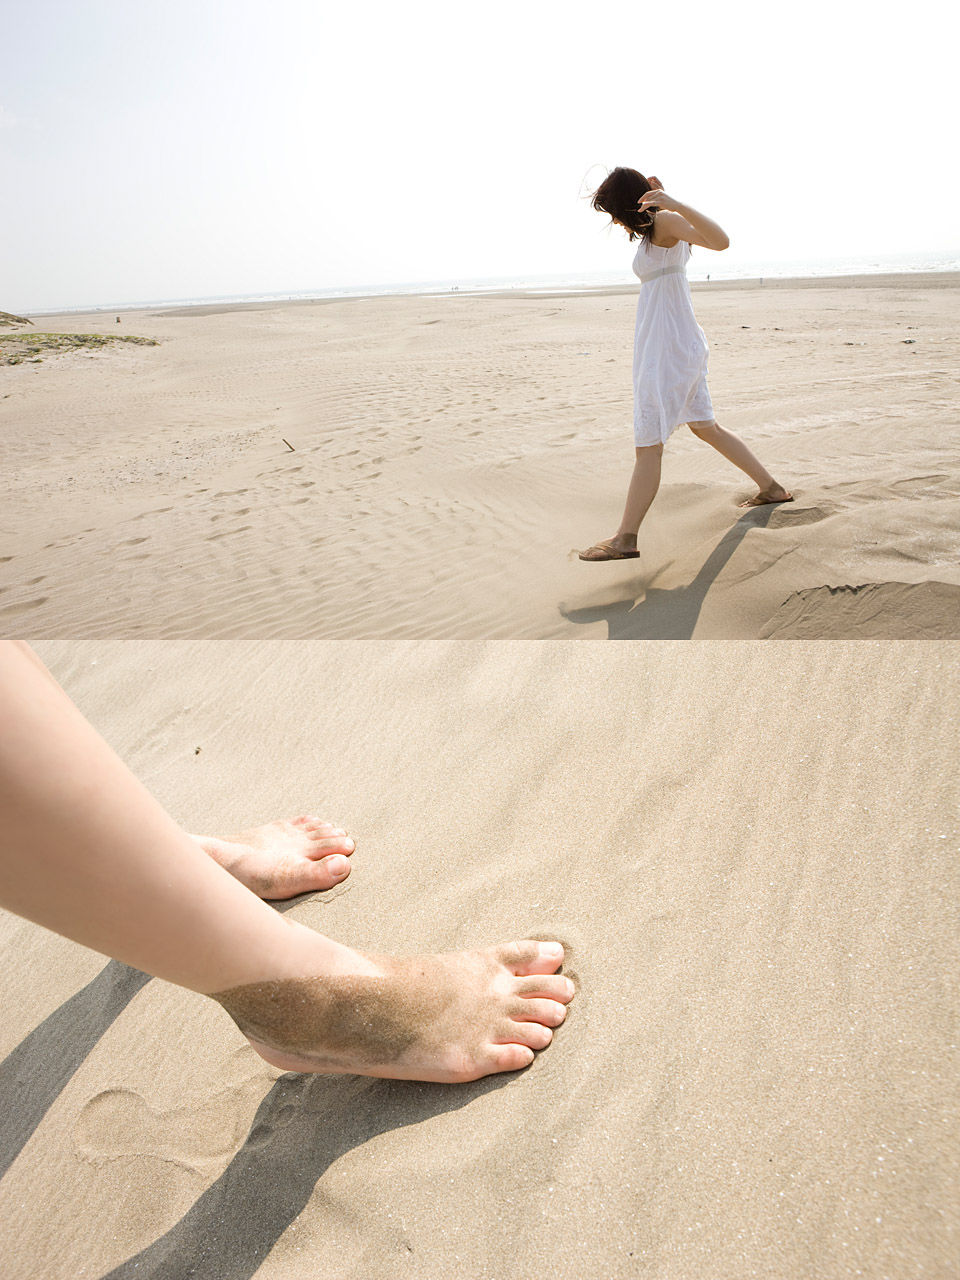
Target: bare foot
pixel 619 547
pixel 448 1018
pixel 284 858
pixel 775 493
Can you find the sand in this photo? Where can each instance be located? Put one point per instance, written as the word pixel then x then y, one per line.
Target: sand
pixel 291 559
pixel 750 852
pixel 450 453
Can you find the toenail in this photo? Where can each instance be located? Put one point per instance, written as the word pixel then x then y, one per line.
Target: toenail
pixel 551 950
pixel 569 987
pixel 338 866
pixel 349 843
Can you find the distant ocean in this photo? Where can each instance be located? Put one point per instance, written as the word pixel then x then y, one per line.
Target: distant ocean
pixel 702 266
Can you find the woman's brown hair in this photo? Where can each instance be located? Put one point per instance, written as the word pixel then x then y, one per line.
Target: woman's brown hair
pixel 619 194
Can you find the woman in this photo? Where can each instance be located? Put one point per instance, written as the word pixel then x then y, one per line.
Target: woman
pixel 670 350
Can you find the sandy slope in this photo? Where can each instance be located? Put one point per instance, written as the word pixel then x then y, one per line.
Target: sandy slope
pixel 449 455
pixel 759 900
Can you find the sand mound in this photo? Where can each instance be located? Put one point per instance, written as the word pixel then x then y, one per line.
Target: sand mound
pixel 873 611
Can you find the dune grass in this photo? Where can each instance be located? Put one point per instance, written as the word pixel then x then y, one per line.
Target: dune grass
pixel 15 348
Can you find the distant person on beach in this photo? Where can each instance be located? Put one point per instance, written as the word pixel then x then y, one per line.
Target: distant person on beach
pixel 670 350
pixel 86 851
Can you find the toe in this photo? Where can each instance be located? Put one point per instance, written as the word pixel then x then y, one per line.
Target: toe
pixel 317 826
pixel 532 1034
pixel 548 1012
pixel 531 957
pixel 548 987
pixel 332 844
pixel 509 1057
pixel 330 871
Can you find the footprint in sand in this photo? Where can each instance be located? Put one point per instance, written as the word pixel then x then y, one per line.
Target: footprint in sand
pixel 790 517
pixel 119 1122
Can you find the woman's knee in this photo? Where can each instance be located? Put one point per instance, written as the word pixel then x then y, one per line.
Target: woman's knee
pixel 648 451
pixel 705 430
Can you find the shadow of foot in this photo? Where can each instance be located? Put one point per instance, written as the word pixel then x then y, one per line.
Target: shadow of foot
pixel 669 614
pixel 303 1125
pixel 35 1073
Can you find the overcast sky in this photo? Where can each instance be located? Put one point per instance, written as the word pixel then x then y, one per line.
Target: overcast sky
pixel 193 148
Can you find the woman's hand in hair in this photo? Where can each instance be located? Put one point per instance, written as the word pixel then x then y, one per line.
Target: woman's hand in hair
pixel 656 198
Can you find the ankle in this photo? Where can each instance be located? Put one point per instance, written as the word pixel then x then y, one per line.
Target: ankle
pixel 313 955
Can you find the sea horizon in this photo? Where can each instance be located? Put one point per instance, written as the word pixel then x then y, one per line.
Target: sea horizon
pixel 697 273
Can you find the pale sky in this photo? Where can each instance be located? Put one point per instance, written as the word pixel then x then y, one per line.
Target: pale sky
pixel 194 148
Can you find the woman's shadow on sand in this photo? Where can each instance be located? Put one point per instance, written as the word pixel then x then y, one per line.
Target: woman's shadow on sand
pixel 302 1126
pixel 669 614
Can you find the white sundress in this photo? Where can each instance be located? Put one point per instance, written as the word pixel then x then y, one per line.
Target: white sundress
pixel 670 350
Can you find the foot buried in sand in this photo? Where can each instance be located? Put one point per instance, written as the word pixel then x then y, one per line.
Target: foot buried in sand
pixel 284 858
pixel 775 493
pixel 611 549
pixel 446 1018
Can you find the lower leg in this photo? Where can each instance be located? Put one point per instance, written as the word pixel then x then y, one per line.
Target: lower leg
pixel 279 860
pixel 86 851
pixel 735 451
pixel 644 484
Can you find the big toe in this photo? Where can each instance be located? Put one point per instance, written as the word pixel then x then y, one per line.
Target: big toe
pixel 310 877
pixel 330 871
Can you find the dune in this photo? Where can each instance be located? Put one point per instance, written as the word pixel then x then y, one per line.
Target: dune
pixel 875 610
pixel 759 904
pixel 417 468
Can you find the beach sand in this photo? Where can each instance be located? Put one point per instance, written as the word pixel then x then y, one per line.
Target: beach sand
pixel 750 852
pixel 449 454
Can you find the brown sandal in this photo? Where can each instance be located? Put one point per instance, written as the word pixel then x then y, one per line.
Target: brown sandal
pixel 761 501
pixel 608 553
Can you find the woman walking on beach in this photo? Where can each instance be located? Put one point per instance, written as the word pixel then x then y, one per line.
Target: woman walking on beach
pixel 670 350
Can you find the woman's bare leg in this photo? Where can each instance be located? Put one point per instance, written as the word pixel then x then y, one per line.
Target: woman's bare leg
pixel 281 859
pixel 644 484
pixel 86 851
pixel 735 451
